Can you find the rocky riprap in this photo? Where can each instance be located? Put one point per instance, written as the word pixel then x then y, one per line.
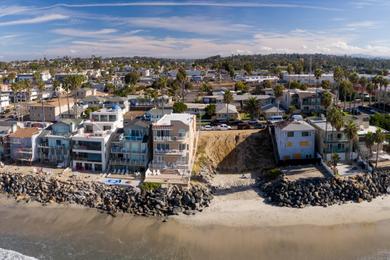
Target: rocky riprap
pixel 110 199
pixel 325 191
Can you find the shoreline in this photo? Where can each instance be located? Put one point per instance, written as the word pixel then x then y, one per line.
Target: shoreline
pixel 247 210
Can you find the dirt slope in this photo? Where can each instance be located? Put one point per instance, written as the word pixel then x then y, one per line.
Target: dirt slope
pixel 234 151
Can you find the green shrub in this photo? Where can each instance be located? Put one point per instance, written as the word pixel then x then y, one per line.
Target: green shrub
pixel 150 186
pixel 272 174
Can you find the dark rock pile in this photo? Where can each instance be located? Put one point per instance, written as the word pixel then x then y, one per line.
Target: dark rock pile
pixel 325 191
pixel 110 199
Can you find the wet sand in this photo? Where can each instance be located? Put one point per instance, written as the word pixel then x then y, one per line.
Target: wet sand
pixel 63 232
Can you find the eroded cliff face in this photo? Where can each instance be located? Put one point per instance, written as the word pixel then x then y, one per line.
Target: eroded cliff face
pixel 234 151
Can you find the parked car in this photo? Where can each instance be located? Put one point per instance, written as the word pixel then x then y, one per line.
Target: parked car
pixel 243 126
pixel 224 127
pixel 207 128
pixel 253 122
pixel 259 126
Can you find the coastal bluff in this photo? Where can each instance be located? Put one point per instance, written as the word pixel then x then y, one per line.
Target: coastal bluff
pixel 160 202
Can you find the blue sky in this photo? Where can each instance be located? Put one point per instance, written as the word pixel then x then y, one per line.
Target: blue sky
pixel 192 29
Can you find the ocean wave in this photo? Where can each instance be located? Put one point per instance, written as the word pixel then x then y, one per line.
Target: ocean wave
pixel 13 255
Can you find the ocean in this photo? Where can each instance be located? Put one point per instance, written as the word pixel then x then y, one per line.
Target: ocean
pixel 74 233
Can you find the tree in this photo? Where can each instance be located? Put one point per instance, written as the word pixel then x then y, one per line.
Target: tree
pixel 252 107
pixel 240 86
pixel 379 138
pixel 295 85
pixel 336 119
pixel 278 92
pixel 326 101
pixel 325 84
pixel 370 89
pixel 210 110
pixel 227 99
pixel 334 161
pixel 206 87
pixel 110 88
pixel 248 67
pixel 267 84
pixel 290 69
pixel 179 107
pixel 41 88
pixel 15 87
pixel 363 84
pixel 351 129
pixel 346 89
pixel 369 140
pixel 57 88
pixel 318 74
pixel 338 75
pixel 132 78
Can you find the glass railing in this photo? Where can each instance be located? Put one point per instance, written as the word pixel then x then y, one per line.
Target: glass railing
pixel 86 147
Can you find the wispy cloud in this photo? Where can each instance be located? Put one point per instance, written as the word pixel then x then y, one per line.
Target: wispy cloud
pixel 199 4
pixel 35 20
pixel 362 25
pixel 12 10
pixel 82 33
pixel 200 25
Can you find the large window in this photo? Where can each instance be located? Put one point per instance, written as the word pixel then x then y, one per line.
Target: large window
pixel 290 134
pixel 304 134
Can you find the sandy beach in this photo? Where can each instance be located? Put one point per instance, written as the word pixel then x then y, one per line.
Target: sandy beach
pixel 247 209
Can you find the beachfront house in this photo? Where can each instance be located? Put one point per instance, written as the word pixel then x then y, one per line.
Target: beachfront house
pixel 226 112
pixel 174 144
pixel 23 144
pixel 295 140
pixel 54 143
pixel 51 110
pixel 90 145
pixel 130 146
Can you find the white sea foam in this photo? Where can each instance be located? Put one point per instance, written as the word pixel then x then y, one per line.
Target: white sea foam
pixel 13 255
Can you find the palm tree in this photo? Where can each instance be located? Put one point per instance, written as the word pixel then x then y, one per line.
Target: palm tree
pixel 278 92
pixel 351 129
pixel 334 161
pixel 227 99
pixel 252 106
pixel 363 83
pixel 385 83
pixel 317 74
pixel 326 101
pixel 338 75
pixel 370 89
pixel 379 138
pixel 57 87
pixel 163 83
pixel 336 119
pixel 41 88
pixel 369 141
pixel 66 85
pixel 15 87
pixel 346 87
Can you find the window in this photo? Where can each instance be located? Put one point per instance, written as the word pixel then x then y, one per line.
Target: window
pixel 290 134
pixel 163 147
pixel 182 147
pixel 304 143
pixel 339 136
pixel 58 142
pixel 304 134
pixel 106 127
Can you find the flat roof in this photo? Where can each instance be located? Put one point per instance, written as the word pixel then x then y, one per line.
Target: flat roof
pixel 25 132
pixel 183 117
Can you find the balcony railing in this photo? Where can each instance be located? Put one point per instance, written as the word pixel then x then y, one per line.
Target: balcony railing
pixel 127 162
pixel 170 151
pixel 124 150
pixel 85 158
pixel 134 137
pixel 86 147
pixel 156 165
pixel 162 138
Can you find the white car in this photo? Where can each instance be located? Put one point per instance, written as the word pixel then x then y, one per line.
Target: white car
pixel 224 127
pixel 207 128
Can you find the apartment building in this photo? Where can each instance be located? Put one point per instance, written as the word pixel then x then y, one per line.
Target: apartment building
pixel 329 140
pixel 174 144
pixel 84 92
pixel 54 143
pixel 130 147
pixel 51 111
pixel 4 101
pixel 307 78
pixel 295 140
pixel 307 101
pixel 23 146
pixel 91 144
pixel 6 128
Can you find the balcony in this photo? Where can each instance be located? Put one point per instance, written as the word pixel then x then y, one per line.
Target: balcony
pixel 162 138
pixel 87 147
pixel 124 150
pixel 129 162
pixel 170 152
pixel 336 150
pixel 161 165
pixel 133 137
pixel 87 157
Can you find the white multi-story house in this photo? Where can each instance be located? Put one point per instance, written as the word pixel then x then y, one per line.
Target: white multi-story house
pixel 4 101
pixel 295 139
pixel 174 141
pixel 91 145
